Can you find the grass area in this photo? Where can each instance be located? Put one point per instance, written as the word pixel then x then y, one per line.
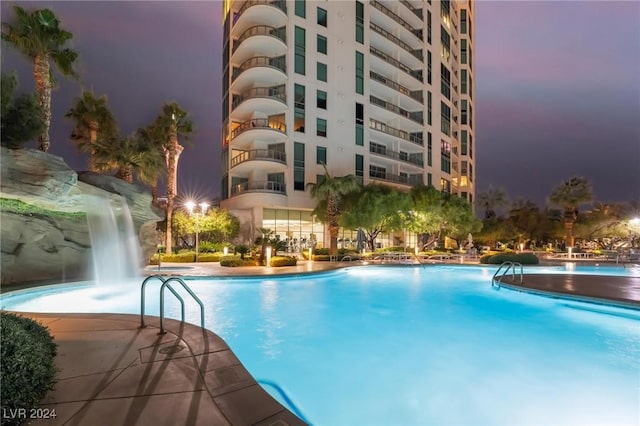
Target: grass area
pixel 13 205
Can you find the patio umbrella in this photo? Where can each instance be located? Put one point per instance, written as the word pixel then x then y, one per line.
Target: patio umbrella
pixel 361 239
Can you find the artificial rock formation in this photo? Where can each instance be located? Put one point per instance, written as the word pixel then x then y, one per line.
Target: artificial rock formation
pixel 54 244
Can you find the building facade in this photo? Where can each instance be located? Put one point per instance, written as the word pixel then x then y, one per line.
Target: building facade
pixel 383 90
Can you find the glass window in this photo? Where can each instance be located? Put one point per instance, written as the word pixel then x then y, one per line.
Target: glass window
pixel 359 124
pixel 463 142
pixel 429 149
pixel 321 69
pixel 445 156
pixel 299 108
pixel 359 73
pixel 445 81
pixel 463 51
pixel 321 99
pixel 463 21
pixel 429 26
pixel 321 127
pixel 322 44
pixel 445 123
pixel 322 17
pixel 463 82
pixel 429 66
pixel 321 155
pixel 429 179
pixel 300 8
pixel 445 39
pixel 429 107
pixel 298 166
pixel 359 22
pixel 359 166
pixel 299 65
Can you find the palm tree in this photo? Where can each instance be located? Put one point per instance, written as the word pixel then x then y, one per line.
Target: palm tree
pixel 38 36
pixel 130 156
pixel 329 191
pixel 173 122
pixel 149 136
pixel 491 200
pixel 569 195
pixel 93 120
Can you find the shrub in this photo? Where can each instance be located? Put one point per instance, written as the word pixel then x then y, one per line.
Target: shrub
pixel 283 261
pixel 321 251
pixel 231 261
pixel 210 257
pixel 523 258
pixel 242 250
pixel 185 257
pixel 27 370
pixel 321 257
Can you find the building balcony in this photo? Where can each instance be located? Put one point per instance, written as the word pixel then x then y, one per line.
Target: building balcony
pixel 408 180
pixel 264 129
pixel 389 88
pixel 272 13
pixel 259 40
pixel 411 119
pixel 252 159
pixel 381 127
pixel 384 63
pixel 416 33
pixel 266 100
pixel 407 55
pixel 260 71
pixel 259 186
pixel 409 158
pixel 417 12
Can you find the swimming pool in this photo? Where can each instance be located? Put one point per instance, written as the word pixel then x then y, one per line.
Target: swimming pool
pixel 388 345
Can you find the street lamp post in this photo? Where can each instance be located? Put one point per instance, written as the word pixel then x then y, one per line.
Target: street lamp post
pixel 191 206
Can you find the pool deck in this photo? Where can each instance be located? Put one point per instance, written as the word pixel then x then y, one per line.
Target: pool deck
pixel 112 372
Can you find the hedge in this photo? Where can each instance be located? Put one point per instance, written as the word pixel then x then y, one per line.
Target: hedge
pixel 27 370
pixel 283 261
pixel 498 259
pixel 186 257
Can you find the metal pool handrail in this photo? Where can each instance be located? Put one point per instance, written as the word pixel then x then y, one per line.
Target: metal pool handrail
pixel 186 287
pixel 496 280
pixel 142 297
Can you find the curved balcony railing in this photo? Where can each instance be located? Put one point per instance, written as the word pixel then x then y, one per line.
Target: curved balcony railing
pixel 276 92
pixel 280 4
pixel 406 180
pixel 380 54
pixel 259 186
pixel 259 154
pixel 382 127
pixel 417 117
pixel 258 123
pixel 417 12
pixel 279 63
pixel 383 151
pixel 415 95
pixel 386 34
pixel 398 19
pixel 263 30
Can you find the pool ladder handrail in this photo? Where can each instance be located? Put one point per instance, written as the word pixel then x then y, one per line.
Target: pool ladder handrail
pixel 166 283
pixel 496 280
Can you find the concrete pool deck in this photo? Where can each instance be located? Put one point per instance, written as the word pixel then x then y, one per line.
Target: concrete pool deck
pixel 112 372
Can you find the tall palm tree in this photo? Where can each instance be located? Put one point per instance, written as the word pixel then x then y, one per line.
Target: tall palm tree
pixel 149 136
pixel 491 200
pixel 569 195
pixel 129 156
pixel 93 119
pixel 330 191
pixel 38 36
pixel 173 122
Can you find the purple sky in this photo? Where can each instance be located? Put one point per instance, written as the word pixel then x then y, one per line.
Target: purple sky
pixel 557 86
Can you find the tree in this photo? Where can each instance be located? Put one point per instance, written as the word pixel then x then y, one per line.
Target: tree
pixel 491 200
pixel 569 195
pixel 458 219
pixel 93 120
pixel 425 216
pixel 21 117
pixel 129 156
pixel 375 209
pixel 329 192
pixel 172 123
pixel 38 36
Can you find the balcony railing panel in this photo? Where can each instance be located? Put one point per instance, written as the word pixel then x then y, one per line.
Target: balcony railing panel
pixel 405 180
pixel 384 128
pixel 280 4
pixel 258 123
pixel 259 186
pixel 380 54
pixel 415 95
pixel 264 30
pixel 414 116
pixel 386 34
pixel 279 63
pixel 377 5
pixel 259 154
pixel 277 93
pixel 383 151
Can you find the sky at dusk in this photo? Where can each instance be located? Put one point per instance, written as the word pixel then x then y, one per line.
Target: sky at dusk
pixel 557 87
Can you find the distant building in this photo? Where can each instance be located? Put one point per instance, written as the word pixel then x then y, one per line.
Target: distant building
pixel 382 90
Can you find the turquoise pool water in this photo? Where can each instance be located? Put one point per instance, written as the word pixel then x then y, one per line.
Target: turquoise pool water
pixel 409 346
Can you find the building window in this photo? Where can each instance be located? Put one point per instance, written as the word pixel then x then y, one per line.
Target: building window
pixel 445 12
pixel 429 179
pixel 463 82
pixel 300 50
pixel 463 21
pixel 445 41
pixel 463 142
pixel 321 127
pixel 359 124
pixel 471 87
pixel 445 186
pixel 429 66
pixel 463 112
pixel 470 58
pixel 463 51
pixel 321 70
pixel 321 99
pixel 429 26
pixel 429 150
pixel 299 108
pixel 300 8
pixel 471 146
pixel 359 73
pixel 298 166
pixel 321 155
pixel 445 156
pixel 377 171
pixel 429 107
pixel 322 17
pixel 445 81
pixel 445 121
pixel 359 22
pixel 471 116
pixel 322 44
pixel 359 167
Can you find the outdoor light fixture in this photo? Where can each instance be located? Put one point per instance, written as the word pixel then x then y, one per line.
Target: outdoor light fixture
pixel 269 256
pixel 193 211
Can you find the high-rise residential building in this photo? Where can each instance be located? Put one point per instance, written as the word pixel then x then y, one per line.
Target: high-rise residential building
pixel 379 89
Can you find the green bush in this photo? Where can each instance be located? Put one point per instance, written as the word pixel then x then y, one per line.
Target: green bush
pixel 236 261
pixel 523 258
pixel 321 257
pixel 210 257
pixel 184 257
pixel 283 261
pixel 321 251
pixel 27 370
